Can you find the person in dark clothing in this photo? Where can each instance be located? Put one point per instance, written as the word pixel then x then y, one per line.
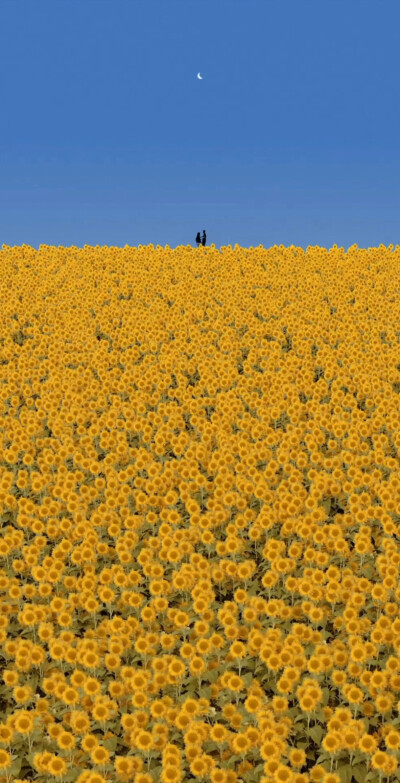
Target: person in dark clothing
pixel 198 240
pixel 203 239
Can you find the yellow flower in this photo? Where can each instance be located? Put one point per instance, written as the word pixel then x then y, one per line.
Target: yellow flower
pixel 279 704
pixel 238 650
pixel 379 760
pixel 5 759
pixel 100 712
pixel 144 777
pixel 176 668
pixel 392 740
pixel 22 694
pixel 91 686
pixel 191 706
pixel 253 704
pixel 124 767
pixel 66 740
pixel 57 766
pixel 269 749
pixel 191 737
pixel 95 777
pixel 100 755
pixel 350 739
pixel 91 660
pixel 307 704
pixel 181 620
pixel 144 740
pixel 384 702
pixel 6 734
pixel 283 774
pixel 358 653
pixel 89 742
pixel 241 744
pixel 297 758
pixel 24 723
pixel 219 733
pixel 10 677
pixel 197 665
pixel 70 696
pixel 139 699
pixel 80 722
pixel 235 683
pixel 198 768
pixel 331 742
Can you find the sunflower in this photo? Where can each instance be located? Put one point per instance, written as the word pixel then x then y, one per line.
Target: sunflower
pixel 283 774
pixel 144 740
pixel 144 777
pixel 384 702
pixel 24 723
pixel 271 766
pixel 91 686
pixel 350 739
pixel 191 706
pixel 80 722
pixel 219 733
pixel 204 647
pixel 95 777
pixel 240 744
pixel 10 677
pixel 391 766
pixel 66 741
pixel 279 704
pixel 101 712
pixel 100 755
pixel 367 743
pixel 57 766
pixel 6 734
pixel 297 758
pixel 138 681
pixel 198 768
pixel 307 704
pixel 235 683
pixel 70 696
pixel 331 742
pixel 379 760
pixel 22 694
pixel 338 677
pixel 91 660
pixel 5 759
pixel 197 665
pixel 124 767
pixel 89 742
pixel 78 678
pixel 140 699
pixel 392 740
pixel 253 704
pixel 269 749
pixel 238 650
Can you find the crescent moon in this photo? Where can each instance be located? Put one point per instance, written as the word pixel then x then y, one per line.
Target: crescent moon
pixel 198 76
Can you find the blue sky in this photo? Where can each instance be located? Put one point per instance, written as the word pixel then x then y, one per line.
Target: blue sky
pixel 107 137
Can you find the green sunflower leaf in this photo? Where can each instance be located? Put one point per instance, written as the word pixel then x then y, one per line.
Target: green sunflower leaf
pixel 316 733
pixel 359 772
pixel 345 772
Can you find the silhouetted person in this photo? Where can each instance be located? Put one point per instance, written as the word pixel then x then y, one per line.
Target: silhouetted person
pixel 203 239
pixel 198 240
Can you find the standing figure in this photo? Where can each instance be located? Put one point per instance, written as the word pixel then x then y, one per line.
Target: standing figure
pixel 204 237
pixel 198 240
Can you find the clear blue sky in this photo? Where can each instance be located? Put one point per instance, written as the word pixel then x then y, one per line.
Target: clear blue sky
pixel 107 136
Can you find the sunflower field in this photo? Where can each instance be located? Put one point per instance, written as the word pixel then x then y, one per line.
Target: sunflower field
pixel 200 514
